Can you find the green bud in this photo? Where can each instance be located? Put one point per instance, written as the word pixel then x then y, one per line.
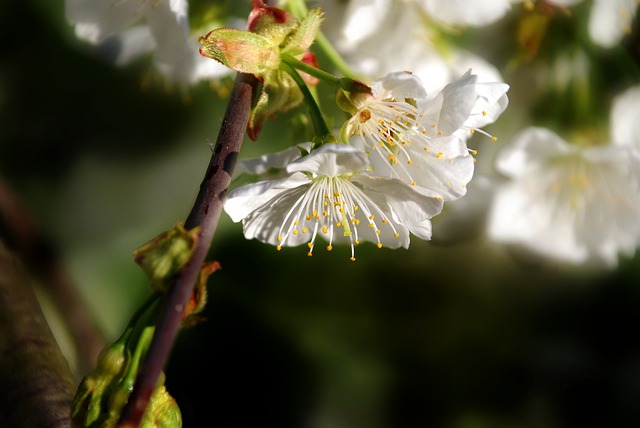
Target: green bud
pixel 164 256
pixel 242 51
pixel 94 389
pixel 162 411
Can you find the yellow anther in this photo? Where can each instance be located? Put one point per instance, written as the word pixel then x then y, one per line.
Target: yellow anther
pixel 409 162
pixel 295 231
pixel 397 235
pixel 353 259
pixel 304 230
pixel 484 113
pixel 329 247
pixel 439 155
pixel 309 244
pixel 279 238
pixel 371 217
pixel 379 245
pixel 309 254
pixel 439 132
pixel 308 217
pixel 278 248
pixel 494 139
pixel 356 242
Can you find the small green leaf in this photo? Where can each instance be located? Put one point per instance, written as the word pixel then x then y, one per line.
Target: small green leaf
pixel 242 51
pixel 299 40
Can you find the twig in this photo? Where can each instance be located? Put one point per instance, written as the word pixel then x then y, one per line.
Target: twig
pixel 206 214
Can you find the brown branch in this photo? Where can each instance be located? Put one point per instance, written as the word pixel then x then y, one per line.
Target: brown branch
pixel 42 259
pixel 36 383
pixel 204 214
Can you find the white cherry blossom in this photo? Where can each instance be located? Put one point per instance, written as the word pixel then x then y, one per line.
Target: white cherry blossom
pixel 423 142
pixel 329 194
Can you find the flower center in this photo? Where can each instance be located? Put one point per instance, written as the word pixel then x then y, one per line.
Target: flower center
pixel 338 209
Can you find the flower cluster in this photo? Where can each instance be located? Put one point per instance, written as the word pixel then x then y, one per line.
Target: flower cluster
pixel 402 152
pixel 402 156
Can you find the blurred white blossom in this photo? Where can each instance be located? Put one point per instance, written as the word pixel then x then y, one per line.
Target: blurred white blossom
pixel 570 202
pixel 609 20
pixel 381 36
pixel 126 29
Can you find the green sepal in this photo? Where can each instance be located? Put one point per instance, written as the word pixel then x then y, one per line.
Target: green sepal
pixel 242 51
pixel 299 40
pixel 352 95
pixel 165 255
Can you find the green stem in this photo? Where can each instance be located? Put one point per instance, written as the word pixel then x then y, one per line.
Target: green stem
pixel 126 335
pixel 319 125
pixel 299 9
pixel 321 75
pixel 335 57
pixel 141 348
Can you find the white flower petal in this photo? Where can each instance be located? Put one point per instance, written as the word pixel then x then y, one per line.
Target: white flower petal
pixel 263 164
pixel 625 117
pixel 530 150
pixel 399 85
pixel 331 160
pixel 243 200
pixel 453 105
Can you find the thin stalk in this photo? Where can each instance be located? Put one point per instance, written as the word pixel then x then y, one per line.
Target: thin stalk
pixel 299 10
pixel 319 125
pixel 321 75
pixel 205 213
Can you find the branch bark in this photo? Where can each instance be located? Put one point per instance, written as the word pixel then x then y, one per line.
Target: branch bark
pixel 205 214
